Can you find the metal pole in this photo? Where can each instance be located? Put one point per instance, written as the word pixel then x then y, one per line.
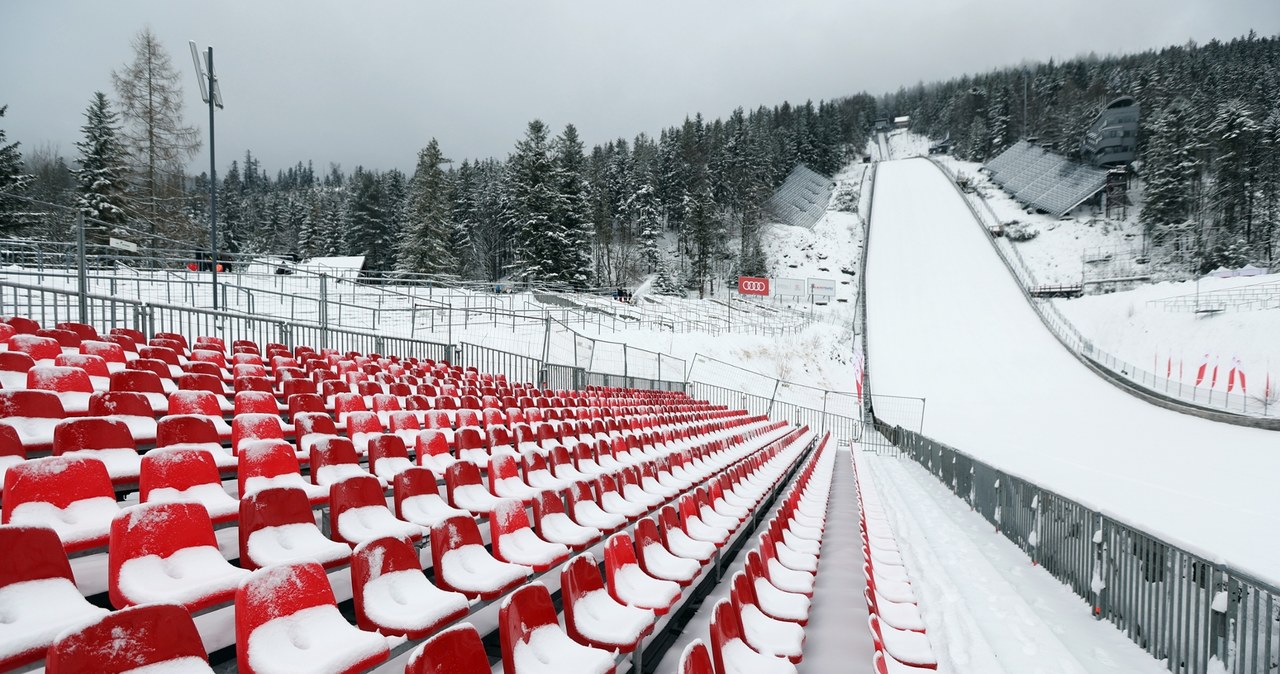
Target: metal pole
pixel 81 273
pixel 213 190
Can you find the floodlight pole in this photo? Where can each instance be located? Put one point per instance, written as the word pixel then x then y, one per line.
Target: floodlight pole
pixel 213 189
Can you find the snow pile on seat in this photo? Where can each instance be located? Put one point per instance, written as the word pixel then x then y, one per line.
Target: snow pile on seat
pixel 368 522
pixel 406 600
pixel 316 639
pixel 33 612
pixel 471 568
pixel 185 577
pixel 289 543
pixel 601 618
pixel 79 521
pixel 548 648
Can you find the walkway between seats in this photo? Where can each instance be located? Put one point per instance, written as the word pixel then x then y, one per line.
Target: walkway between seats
pixel 987 609
pixel 837 638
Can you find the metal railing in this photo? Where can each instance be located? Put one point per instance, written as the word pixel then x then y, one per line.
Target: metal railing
pixel 1176 392
pixel 1248 298
pixel 1180 607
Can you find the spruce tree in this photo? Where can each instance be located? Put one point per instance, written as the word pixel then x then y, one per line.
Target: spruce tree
pixel 364 217
pixel 531 205
pixel 101 183
pixel 573 210
pixel 426 247
pixel 1171 172
pixel 1235 133
pixel 12 183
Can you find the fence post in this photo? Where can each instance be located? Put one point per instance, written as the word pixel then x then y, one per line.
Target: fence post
pixel 624 361
pixel 769 410
pixel 324 311
pixel 824 413
pixel 82 276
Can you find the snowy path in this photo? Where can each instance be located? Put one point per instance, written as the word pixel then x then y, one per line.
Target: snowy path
pixel 837 639
pixel 947 322
pixel 988 610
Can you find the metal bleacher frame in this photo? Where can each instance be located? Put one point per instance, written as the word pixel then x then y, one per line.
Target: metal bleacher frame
pixel 802 198
pixel 1044 180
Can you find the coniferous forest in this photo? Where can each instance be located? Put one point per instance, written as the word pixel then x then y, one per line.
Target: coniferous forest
pixel 685 205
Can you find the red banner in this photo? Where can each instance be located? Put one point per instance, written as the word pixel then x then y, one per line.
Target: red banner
pixel 753 285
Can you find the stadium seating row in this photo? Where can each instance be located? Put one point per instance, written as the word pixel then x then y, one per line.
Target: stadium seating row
pixel 759 628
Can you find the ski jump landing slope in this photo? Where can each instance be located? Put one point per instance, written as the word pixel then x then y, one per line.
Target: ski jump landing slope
pixel 947 322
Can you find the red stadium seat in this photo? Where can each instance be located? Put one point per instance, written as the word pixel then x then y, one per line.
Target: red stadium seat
pixel 204 404
pixel 166 552
pixel 586 512
pixel 358 510
pixel 417 498
pixel 657 561
pixel 186 474
pixel 388 456
pixel 457 650
pixel 462 564
pixel 505 482
pixel 72 496
pixel 105 439
pixel 278 526
pixel 592 616
pixel 909 648
pixel 288 621
pixel 265 464
pixel 629 584
pixel 765 634
pixel 466 491
pixel 33 414
pixel 40 594
pixel 155 636
pixel 515 541
pixel 392 596
pixel 530 632
pixel 432 448
pixel 696 659
pixel 555 525
pixel 334 459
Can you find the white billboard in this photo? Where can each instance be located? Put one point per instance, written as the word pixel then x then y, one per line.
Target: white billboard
pixel 820 287
pixel 792 287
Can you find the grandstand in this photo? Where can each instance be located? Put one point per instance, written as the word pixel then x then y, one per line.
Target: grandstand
pixel 1043 180
pixel 179 503
pixel 802 198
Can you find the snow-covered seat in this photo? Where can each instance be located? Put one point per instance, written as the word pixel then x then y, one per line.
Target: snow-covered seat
pixel 147 383
pixel 359 512
pixel 592 616
pixel 70 384
pixel 764 633
pixel 167 552
pixel 895 589
pixel 432 449
pixel 588 513
pixel 791 559
pixel 102 438
pixel 388 457
pixel 775 603
pixel 177 473
pixel 628 483
pixel 462 564
pixel 712 517
pixel 417 498
pixel 287 621
pixel 272 463
pixel 629 584
pixel 149 638
pixel 679 542
pixel 505 482
pixel 894 614
pixel 730 651
pixel 516 542
pixel 200 403
pixel 538 474
pixel 33 415
pixel 907 647
pixel 457 650
pixel 698 529
pixel 466 491
pixel 555 525
pixel 404 425
pixel 534 643
pixel 71 495
pixel 333 460
pixel 194 432
pixel 560 462
pixel 38 595
pixel 391 594
pixel 657 560
pixel 310 427
pixel 612 501
pixel 363 427
pixel 248 428
pixel 278 526
pixel 696 659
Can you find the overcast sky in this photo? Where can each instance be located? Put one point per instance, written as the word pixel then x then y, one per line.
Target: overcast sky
pixel 363 82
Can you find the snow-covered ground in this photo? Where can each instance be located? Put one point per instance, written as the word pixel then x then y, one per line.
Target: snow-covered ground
pixel 953 327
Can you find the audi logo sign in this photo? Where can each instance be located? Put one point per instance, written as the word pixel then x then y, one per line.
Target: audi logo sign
pixel 752 285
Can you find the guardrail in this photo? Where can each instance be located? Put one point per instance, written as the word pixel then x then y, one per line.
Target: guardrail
pixel 1230 407
pixel 1248 298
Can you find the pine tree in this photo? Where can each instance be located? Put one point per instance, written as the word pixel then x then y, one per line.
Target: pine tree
pixel 1171 173
pixel 1235 170
pixel 101 183
pixel 426 247
pixel 150 93
pixel 531 206
pixel 1269 183
pixel 364 217
pixel 573 210
pixel 13 182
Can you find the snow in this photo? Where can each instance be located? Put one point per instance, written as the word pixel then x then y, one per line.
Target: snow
pixel 557 527
pixel 637 588
pixel 774 637
pixel 550 651
pixel 33 612
pixel 185 665
pixel 588 514
pixel 366 523
pixel 257 483
pixel 34 432
pixel 662 564
pixel 963 336
pixel 212 496
pixel 476 498
pixel 470 568
pixel 185 577
pixel 780 603
pixel 121 462
pixel 683 546
pixel 739 658
pixel 603 619
pixel 427 510
pixel 316 639
pixel 388 467
pixel 337 472
pixel 522 546
pixel 405 601
pixel 80 521
pixel 289 543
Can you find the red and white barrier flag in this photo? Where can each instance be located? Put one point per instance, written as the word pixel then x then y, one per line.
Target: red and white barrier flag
pixel 1231 374
pixel 1200 372
pixel 1213 381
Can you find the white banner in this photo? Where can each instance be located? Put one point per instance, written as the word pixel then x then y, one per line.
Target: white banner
pixel 822 287
pixel 793 287
pixel 123 245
